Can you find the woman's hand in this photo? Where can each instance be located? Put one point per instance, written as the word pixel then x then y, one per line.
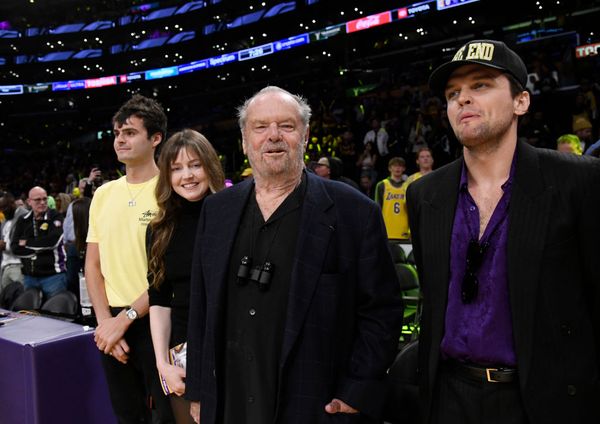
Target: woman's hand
pixel 174 376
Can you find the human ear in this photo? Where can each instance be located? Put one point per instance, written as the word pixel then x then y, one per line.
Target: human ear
pixel 521 103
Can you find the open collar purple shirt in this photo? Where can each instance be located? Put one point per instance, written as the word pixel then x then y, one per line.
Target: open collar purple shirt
pixel 481 331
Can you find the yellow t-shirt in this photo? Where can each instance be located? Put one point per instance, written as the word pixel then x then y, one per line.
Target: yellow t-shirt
pixel 120 231
pixel 394 211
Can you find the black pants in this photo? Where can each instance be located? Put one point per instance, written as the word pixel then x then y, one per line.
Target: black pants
pixel 135 387
pixel 459 400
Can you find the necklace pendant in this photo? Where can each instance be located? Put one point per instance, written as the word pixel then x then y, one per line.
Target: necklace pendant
pixel 131 203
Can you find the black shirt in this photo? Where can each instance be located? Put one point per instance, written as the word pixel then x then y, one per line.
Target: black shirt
pixel 255 318
pixel 174 291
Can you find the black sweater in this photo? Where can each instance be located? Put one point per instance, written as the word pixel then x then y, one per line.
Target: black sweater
pixel 174 291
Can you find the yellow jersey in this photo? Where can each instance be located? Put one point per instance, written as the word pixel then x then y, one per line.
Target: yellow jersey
pixel 394 210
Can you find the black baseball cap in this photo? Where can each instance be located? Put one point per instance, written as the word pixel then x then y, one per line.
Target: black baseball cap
pixel 492 53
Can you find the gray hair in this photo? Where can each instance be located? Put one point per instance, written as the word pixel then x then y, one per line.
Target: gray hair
pixel 303 107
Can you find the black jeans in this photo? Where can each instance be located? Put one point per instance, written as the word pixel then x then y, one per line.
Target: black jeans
pixel 135 387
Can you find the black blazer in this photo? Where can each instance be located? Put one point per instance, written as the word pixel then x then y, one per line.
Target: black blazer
pixel 553 277
pixel 344 306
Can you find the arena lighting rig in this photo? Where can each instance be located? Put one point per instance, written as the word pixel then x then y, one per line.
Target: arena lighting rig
pixel 355 25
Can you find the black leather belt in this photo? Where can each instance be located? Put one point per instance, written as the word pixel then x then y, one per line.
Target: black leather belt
pixel 483 374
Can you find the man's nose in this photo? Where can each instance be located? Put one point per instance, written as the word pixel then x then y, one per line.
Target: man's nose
pixel 464 97
pixel 273 131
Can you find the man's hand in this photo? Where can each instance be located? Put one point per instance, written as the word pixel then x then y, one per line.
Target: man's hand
pixel 120 351
pixel 2 245
pixel 94 173
pixel 337 406
pixel 109 332
pixel 195 411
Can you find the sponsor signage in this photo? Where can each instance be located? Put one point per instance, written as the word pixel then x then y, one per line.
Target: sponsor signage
pixel 194 66
pixel 369 22
pixel 447 4
pixel 68 85
pixel 417 8
pixel 587 50
pixel 38 88
pixel 255 52
pixel 222 60
pixel 100 82
pixel 8 90
pixel 330 31
pixel 170 71
pixel 291 42
pixel 134 76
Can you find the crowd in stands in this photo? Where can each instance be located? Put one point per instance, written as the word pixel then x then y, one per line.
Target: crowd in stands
pixel 354 136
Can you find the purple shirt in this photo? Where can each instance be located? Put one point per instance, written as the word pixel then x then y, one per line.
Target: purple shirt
pixel 481 331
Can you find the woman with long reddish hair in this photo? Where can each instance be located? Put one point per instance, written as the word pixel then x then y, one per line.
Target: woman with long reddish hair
pixel 189 171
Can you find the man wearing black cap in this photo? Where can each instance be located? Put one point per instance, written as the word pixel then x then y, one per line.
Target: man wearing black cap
pixel 507 252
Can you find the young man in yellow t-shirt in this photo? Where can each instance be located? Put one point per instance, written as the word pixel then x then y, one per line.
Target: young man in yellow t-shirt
pixel 116 265
pixel 390 194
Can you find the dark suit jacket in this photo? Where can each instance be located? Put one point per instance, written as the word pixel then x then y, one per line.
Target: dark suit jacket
pixel 553 277
pixel 344 311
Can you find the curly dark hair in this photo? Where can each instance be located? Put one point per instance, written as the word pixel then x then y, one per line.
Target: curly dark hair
pixel 148 110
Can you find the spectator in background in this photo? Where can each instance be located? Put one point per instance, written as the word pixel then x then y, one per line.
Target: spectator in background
pixel 62 203
pixel 11 264
pixel 322 168
pixel 379 136
pixel 419 132
pixel 81 214
pixel 366 185
pixel 74 264
pixel 336 167
pixel 390 195
pixel 70 183
pixel 38 240
pixel 569 143
pixel 246 173
pixel 75 232
pixel 89 185
pixel 582 128
pixel 535 131
pixel 331 168
pixel 347 151
pixel 51 202
pixel 367 160
pixel 116 265
pixel 190 170
pixel 424 163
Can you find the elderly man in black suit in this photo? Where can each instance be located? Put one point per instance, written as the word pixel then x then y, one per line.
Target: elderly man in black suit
pixel 506 244
pixel 295 311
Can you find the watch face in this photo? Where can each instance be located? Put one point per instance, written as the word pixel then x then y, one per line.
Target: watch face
pixel 131 314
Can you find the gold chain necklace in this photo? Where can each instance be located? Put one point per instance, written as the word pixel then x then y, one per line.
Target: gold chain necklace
pixel 132 198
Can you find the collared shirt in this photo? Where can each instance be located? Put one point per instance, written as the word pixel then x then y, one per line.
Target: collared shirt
pixel 481 331
pixel 255 319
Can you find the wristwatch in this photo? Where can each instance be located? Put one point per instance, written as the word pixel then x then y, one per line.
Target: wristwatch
pixel 131 314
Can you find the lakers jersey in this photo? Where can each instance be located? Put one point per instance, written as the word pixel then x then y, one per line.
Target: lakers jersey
pixel 394 210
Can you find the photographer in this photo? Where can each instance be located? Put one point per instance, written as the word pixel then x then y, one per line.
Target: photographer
pixel 89 185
